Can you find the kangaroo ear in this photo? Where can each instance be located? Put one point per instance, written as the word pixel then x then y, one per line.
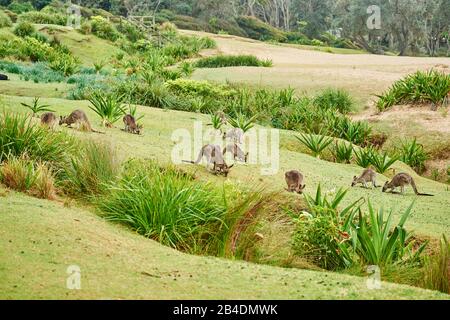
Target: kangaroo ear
pixel 231 166
pixel 355 177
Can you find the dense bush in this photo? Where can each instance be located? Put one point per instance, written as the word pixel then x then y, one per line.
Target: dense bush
pixel 104 29
pixel 24 29
pixel 5 20
pixel 37 72
pixel 257 29
pixel 20 6
pixel 334 99
pixel 19 136
pixel 40 17
pixel 413 154
pixel 164 204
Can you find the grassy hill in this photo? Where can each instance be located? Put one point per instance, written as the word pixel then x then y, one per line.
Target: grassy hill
pixel 42 238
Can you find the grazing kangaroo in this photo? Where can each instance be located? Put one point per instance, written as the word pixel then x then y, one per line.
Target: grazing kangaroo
pixel 130 124
pixel 237 152
pixel 49 119
pixel 213 156
pixel 235 134
pixel 80 118
pixel 401 180
pixel 368 175
pixel 294 180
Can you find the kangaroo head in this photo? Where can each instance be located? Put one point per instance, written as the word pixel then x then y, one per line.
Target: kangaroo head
pixel 386 186
pixel 226 169
pixel 355 180
pixel 62 120
pixel 300 189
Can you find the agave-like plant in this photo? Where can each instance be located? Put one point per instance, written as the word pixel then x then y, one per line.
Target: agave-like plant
pixel 36 107
pixel 242 122
pixel 413 154
pixel 315 143
pixel 343 152
pixel 108 107
pixel 363 156
pixel 381 162
pixel 380 244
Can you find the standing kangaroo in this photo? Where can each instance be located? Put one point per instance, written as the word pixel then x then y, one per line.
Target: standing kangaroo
pixel 237 152
pixel 368 175
pixel 80 118
pixel 213 156
pixel 131 125
pixel 294 180
pixel 49 119
pixel 401 180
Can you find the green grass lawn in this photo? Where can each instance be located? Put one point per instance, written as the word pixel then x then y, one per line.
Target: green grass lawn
pixel 430 216
pixel 40 239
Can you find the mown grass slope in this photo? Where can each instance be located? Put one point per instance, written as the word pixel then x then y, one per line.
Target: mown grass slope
pixel 40 239
pixel 430 215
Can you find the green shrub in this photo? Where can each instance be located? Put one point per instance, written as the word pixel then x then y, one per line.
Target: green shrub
pixel 363 156
pixel 381 162
pixel 20 6
pixel 377 244
pixel 334 99
pixel 164 204
pixel 19 136
pixel 36 72
pixel 104 29
pixel 24 29
pixel 89 172
pixel 200 88
pixel 413 154
pixel 257 29
pixel 242 122
pixel 421 87
pixel 223 61
pixel 24 175
pixel 40 17
pixel 108 107
pixel 5 20
pixel 323 234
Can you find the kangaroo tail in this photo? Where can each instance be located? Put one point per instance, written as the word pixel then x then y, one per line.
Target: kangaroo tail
pixel 413 185
pixel 200 156
pixel 95 131
pixel 186 161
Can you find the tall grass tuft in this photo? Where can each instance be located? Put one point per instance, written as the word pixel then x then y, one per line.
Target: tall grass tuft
pixel 24 175
pixel 315 143
pixel 413 154
pixel 381 161
pixel 437 269
pixel 421 87
pixel 19 136
pixel 334 99
pixel 89 172
pixel 342 152
pixel 164 204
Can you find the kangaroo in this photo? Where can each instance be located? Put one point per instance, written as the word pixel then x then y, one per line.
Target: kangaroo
pixel 368 175
pixel 236 152
pixel 223 117
pixel 294 180
pixel 49 119
pixel 401 180
pixel 213 156
pixel 131 125
pixel 235 134
pixel 80 118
